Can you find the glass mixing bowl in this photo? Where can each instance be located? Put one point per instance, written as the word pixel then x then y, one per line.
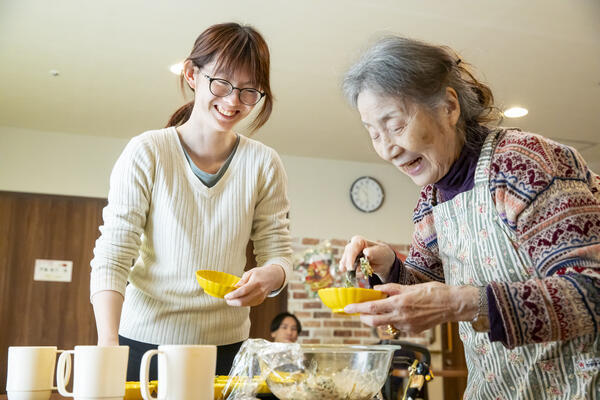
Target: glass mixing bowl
pixel 332 372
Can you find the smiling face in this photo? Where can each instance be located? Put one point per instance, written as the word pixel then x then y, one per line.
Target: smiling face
pixel 421 143
pixel 220 114
pixel 287 331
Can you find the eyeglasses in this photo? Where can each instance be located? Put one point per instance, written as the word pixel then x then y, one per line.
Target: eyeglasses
pixel 223 88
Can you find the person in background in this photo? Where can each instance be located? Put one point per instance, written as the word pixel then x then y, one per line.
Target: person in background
pixel 285 328
pixel 191 196
pixel 507 228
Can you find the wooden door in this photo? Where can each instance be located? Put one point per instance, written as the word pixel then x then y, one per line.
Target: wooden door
pixel 38 313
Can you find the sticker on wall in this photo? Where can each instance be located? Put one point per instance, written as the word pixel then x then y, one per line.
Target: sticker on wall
pixel 53 270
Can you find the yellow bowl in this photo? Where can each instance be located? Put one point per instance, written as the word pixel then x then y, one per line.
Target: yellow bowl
pixel 338 298
pixel 132 390
pixel 221 381
pixel 215 283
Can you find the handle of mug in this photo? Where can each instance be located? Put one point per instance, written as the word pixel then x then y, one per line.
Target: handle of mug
pixel 67 372
pixel 145 372
pixel 63 372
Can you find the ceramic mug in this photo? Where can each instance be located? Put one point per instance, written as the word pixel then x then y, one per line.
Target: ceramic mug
pixel 99 372
pixel 184 372
pixel 31 372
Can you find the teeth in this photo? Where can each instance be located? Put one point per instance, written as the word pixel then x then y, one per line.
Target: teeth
pixel 225 112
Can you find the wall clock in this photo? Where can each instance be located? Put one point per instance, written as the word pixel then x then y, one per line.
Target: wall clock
pixel 366 193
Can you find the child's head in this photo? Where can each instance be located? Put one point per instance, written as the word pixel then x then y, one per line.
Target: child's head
pixel 285 328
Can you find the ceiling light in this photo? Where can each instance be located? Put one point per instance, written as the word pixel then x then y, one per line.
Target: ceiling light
pixel 515 112
pixel 176 68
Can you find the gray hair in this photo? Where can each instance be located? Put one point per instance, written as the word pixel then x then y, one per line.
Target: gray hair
pixel 418 72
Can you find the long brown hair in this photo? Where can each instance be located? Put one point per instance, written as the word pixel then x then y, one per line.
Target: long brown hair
pixel 233 47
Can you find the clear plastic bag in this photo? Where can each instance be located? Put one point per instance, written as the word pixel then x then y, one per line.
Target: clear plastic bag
pixel 256 359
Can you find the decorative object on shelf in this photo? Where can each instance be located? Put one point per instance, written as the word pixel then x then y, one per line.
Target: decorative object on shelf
pixel 366 194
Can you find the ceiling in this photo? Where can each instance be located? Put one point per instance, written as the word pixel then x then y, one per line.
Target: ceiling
pixel 113 58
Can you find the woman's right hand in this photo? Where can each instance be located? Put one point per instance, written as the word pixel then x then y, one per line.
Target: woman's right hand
pixel 380 256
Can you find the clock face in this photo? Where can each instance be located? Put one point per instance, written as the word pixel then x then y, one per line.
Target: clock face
pixel 366 194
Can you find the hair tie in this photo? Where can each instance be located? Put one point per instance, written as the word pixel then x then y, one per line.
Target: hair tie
pixel 458 61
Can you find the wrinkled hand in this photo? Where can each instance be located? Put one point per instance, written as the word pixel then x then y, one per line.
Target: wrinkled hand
pixel 380 256
pixel 415 308
pixel 255 285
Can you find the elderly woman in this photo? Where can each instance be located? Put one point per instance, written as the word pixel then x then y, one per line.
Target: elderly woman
pixel 507 228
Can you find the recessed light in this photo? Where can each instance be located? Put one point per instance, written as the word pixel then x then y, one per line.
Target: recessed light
pixel 54 72
pixel 515 112
pixel 176 68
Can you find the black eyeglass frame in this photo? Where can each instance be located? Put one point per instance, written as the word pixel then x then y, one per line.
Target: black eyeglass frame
pixel 232 88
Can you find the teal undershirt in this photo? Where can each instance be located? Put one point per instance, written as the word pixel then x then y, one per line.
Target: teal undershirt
pixel 210 180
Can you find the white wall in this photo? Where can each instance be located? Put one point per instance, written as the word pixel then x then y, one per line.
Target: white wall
pixel 319 191
pixel 58 163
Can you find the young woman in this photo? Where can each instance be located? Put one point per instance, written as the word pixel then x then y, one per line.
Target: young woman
pixel 189 197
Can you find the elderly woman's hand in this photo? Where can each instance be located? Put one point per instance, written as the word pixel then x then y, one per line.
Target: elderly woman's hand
pixel 380 256
pixel 415 308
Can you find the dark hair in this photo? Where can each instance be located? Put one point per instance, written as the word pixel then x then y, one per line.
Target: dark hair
pixel 420 72
pixel 233 47
pixel 279 319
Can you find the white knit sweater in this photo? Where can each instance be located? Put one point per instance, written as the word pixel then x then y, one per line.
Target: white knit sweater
pixel 161 219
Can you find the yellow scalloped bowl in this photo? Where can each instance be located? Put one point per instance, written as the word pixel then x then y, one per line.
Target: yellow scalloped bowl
pixel 216 283
pixel 221 381
pixel 338 298
pixel 132 390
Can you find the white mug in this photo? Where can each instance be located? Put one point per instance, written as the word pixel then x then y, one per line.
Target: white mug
pixel 99 372
pixel 31 372
pixel 185 372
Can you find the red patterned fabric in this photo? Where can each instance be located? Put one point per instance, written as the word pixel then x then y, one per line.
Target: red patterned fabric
pixel 550 202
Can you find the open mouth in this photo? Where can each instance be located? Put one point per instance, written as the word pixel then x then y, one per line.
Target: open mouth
pixel 224 112
pixel 411 163
pixel 412 167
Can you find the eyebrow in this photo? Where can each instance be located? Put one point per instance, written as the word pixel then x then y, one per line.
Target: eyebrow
pixel 217 75
pixel 384 118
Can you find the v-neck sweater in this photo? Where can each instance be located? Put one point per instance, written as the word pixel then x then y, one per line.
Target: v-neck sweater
pixel 164 221
pixel 209 179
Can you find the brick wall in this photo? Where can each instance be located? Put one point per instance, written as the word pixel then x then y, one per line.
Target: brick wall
pixel 319 324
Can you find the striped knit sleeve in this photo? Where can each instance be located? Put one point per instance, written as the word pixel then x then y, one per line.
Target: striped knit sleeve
pixel 423 263
pixel 270 225
pixel 546 195
pixel 124 218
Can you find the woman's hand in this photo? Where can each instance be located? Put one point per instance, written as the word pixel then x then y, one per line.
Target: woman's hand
pixel 380 256
pixel 255 285
pixel 415 308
